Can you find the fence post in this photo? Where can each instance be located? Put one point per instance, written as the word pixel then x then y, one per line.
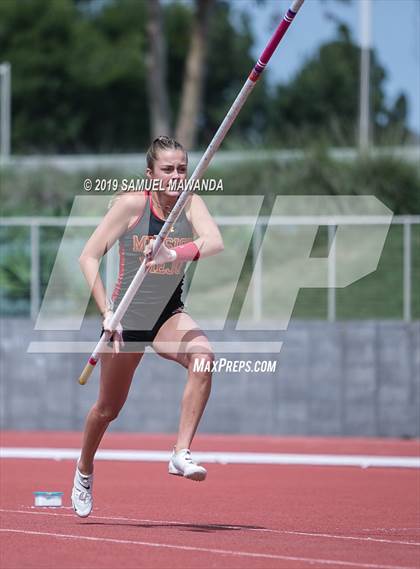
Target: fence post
pixel 35 270
pixel 331 294
pixel 257 272
pixel 5 110
pixel 407 270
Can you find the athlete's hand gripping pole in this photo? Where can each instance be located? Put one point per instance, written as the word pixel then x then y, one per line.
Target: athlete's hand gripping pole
pixel 198 172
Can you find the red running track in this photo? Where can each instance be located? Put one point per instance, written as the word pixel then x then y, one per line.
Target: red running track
pixel 243 516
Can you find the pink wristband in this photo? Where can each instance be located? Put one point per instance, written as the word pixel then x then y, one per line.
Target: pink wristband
pixel 187 252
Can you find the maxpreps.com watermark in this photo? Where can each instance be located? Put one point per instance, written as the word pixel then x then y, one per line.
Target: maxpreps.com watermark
pixel 234 366
pixel 150 185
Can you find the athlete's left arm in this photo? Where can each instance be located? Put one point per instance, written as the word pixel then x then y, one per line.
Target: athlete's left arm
pixel 208 239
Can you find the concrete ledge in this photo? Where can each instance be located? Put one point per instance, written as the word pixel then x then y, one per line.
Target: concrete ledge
pixel 359 378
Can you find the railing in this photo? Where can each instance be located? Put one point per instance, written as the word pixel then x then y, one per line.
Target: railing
pixel 331 222
pixel 89 162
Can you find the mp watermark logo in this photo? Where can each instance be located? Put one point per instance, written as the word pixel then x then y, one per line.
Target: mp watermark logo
pixel 282 265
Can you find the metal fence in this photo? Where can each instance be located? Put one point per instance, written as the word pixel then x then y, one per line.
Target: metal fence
pixel 331 222
pixel 130 162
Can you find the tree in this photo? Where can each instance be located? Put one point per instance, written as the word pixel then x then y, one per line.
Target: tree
pixel 80 73
pixel 192 88
pixel 193 75
pixel 229 62
pixel 322 101
pixel 156 71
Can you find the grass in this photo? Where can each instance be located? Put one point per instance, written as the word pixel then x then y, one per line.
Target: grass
pixel 377 295
pixel 222 285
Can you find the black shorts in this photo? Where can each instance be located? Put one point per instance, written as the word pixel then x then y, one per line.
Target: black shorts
pixel 137 340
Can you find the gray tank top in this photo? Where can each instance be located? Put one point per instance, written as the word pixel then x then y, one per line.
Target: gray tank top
pixel 162 286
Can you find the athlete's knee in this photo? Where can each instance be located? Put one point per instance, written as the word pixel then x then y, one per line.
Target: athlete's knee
pixel 201 363
pixel 106 413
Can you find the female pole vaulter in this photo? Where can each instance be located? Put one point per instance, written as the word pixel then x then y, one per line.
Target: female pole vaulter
pixel 156 316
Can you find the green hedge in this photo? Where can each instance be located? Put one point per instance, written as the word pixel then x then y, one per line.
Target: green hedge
pixel 396 183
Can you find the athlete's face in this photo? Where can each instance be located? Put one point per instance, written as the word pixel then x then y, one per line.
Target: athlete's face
pixel 170 167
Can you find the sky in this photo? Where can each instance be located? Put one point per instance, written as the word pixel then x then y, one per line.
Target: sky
pixel 395 37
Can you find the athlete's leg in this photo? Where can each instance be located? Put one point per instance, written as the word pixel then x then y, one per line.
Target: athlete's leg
pixel 116 375
pixel 180 339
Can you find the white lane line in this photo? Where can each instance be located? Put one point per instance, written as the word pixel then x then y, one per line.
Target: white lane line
pixel 226 526
pixel 390 529
pixel 208 550
pixel 331 536
pixel 219 457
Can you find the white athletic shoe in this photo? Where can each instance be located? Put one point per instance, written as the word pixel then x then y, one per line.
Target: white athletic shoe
pixel 81 495
pixel 181 464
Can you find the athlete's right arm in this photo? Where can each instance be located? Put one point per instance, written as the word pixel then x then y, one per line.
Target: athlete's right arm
pixel 114 224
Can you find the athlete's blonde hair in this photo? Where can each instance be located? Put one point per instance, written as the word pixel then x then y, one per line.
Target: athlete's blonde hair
pixel 159 143
pixel 162 143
